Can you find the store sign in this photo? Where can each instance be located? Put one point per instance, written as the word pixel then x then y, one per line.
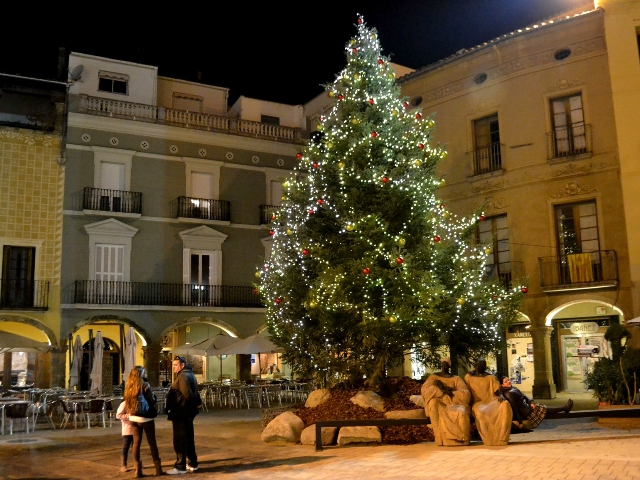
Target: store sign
pixel 584 327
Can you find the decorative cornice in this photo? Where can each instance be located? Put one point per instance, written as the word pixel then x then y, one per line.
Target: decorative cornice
pixel 29 137
pixel 493 204
pixel 170 133
pixel 572 168
pixel 574 188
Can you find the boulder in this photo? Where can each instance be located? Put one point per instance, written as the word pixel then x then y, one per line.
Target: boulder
pixel 328 435
pixel 348 435
pixel 369 399
pixel 286 428
pixel 415 413
pixel 317 397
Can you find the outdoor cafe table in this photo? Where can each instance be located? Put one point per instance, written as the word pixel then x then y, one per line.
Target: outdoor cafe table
pixel 9 401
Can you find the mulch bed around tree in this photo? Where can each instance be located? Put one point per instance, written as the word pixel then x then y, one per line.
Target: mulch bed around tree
pixel 395 392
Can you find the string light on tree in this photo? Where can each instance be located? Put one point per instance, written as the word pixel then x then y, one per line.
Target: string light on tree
pixel 360 238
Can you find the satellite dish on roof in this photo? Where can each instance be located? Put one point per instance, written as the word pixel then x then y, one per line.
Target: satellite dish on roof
pixel 76 73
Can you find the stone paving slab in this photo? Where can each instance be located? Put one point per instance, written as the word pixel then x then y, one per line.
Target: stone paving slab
pixel 229 447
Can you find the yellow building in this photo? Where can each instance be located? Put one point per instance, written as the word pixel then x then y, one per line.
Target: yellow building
pixel 539 126
pixel 31 193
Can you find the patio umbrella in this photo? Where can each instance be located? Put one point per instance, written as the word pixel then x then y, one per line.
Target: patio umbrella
pixel 130 344
pixel 96 371
pixel 74 370
pixel 207 347
pixel 255 344
pixel 10 342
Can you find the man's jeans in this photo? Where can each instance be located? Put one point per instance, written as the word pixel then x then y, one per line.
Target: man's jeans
pixel 184 444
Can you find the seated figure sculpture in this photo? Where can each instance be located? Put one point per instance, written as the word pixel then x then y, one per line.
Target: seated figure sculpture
pixel 446 403
pixel 490 410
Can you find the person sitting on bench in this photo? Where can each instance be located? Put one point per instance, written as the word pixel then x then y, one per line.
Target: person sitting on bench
pixel 527 415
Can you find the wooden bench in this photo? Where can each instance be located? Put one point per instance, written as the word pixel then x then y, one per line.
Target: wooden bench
pixel 633 412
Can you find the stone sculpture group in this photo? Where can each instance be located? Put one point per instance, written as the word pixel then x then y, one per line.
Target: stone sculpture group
pixel 447 400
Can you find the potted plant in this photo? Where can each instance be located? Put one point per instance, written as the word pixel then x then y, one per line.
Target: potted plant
pixel 614 381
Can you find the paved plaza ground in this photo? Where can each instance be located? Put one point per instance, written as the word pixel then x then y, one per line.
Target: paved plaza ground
pixel 229 447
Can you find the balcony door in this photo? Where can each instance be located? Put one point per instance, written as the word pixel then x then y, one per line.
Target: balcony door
pixel 201 277
pixel 17 276
pixel 578 242
pixel 568 126
pixel 202 194
pixel 109 272
pixel 112 184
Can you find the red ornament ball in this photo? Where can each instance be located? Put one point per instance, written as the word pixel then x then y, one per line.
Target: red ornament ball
pixel 273 217
pixel 482 218
pixel 278 300
pixel 374 134
pixel 380 61
pixel 298 156
pixel 360 21
pixel 310 211
pixel 340 97
pixel 525 289
pixel 421 146
pixel 385 179
pixel 399 260
pixel 272 232
pixel 320 201
pixel 315 165
pixel 443 205
pixel 366 271
pixel 305 252
pixel 495 297
pixel 354 50
pixel 371 101
pixel 418 116
pixel 436 238
pixel 405 104
pixel 255 291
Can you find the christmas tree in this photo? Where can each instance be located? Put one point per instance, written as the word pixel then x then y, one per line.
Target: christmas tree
pixel 367 264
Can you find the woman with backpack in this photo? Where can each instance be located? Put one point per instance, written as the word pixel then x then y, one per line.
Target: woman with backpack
pixel 141 402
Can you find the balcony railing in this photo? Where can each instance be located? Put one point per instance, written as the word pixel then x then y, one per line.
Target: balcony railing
pixel 186 119
pixel 111 200
pixel 487 159
pixel 569 141
pixel 267 212
pixel 99 292
pixel 579 271
pixel 23 294
pixel 204 208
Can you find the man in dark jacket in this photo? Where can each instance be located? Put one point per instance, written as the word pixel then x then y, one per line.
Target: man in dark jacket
pixel 524 409
pixel 183 403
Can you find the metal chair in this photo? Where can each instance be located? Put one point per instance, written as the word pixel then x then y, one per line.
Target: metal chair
pixel 272 392
pixel 69 409
pixel 97 409
pixel 18 411
pixel 48 414
pixel 251 395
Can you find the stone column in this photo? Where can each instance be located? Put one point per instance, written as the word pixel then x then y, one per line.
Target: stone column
pixel 58 365
pixel 543 386
pixel 152 357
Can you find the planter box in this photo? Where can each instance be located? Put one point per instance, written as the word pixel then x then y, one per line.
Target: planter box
pixel 618 422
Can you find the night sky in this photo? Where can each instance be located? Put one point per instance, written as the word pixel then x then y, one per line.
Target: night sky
pixel 285 51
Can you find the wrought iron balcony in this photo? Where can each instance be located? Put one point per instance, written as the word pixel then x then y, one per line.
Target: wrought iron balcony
pixel 487 159
pixel 111 200
pixel 579 271
pixel 204 208
pixel 267 212
pixel 569 141
pixel 185 119
pixel 17 294
pixel 99 292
